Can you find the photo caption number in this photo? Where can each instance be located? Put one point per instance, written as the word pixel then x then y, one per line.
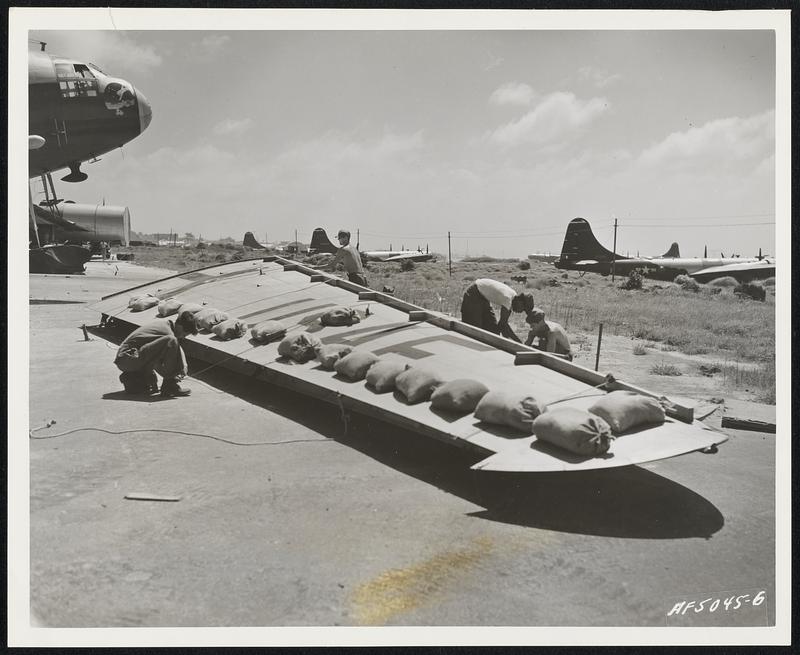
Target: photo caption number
pixel 711 605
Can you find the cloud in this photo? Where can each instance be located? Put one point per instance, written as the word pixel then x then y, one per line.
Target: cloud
pixel 557 115
pixel 719 142
pixel 117 53
pixel 600 78
pixel 512 93
pixel 231 126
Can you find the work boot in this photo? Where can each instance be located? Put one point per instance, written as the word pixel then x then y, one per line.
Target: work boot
pixel 135 382
pixel 152 382
pixel 171 389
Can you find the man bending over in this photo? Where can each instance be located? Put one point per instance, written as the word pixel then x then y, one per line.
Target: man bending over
pixel 155 348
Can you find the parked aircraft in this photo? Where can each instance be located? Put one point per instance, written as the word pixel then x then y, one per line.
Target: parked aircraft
pixel 321 243
pixel 582 252
pixel 76 112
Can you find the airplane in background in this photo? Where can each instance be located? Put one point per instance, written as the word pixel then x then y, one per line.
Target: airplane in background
pixel 582 252
pixel 321 243
pixel 76 112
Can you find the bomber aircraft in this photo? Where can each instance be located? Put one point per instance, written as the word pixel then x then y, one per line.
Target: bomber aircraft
pixel 582 252
pixel 321 243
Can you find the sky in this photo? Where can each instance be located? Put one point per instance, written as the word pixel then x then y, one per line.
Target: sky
pixel 499 137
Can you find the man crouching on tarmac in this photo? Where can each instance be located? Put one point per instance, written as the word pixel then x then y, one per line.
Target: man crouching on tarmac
pixel 155 348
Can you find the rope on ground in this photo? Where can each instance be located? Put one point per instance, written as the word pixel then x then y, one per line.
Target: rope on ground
pixel 164 431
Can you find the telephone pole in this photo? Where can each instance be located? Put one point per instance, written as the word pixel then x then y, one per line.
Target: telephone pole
pixel 614 252
pixel 449 255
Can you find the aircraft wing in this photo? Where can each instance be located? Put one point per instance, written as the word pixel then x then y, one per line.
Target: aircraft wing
pixel 413 256
pixel 743 271
pixel 274 288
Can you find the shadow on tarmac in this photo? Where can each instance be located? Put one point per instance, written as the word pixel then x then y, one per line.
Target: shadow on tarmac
pixel 619 502
pixel 627 502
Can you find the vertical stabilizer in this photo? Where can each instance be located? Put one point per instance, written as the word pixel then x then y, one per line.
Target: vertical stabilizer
pixel 250 241
pixel 673 251
pixel 580 244
pixel 320 243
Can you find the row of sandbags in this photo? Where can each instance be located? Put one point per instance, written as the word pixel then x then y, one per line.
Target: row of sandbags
pixel 582 432
pixel 207 318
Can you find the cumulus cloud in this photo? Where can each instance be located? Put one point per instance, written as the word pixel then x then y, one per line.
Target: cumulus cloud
pixel 555 116
pixel 722 141
pixel 231 126
pixel 600 78
pixel 512 93
pixel 116 52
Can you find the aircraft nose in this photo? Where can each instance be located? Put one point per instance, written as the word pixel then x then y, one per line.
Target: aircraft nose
pixel 145 112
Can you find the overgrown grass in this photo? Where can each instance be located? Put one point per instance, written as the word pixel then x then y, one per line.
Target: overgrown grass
pixel 662 368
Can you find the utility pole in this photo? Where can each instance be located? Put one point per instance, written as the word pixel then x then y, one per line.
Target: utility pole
pixel 614 252
pixel 358 238
pixel 449 255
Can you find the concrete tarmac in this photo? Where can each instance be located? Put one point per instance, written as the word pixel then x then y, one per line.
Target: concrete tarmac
pixel 290 514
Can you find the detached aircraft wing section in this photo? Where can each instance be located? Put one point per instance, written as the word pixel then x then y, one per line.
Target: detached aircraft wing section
pixel 278 289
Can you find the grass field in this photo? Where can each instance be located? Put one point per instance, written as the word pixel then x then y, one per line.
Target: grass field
pixel 711 321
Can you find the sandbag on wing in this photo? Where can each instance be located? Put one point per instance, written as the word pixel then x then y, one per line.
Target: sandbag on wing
pixel 574 430
pixel 207 318
pixel 339 316
pixel 141 303
pixel 625 410
pixel 383 374
pixel 331 353
pixel 516 410
pixel 268 331
pixel 461 395
pixel 233 328
pixel 417 384
pixel 169 307
pixel 355 365
pixel 300 348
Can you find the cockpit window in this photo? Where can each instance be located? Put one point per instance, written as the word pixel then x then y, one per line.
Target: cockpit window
pixel 75 80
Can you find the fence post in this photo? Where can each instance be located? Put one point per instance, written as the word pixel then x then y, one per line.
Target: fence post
pixel 599 341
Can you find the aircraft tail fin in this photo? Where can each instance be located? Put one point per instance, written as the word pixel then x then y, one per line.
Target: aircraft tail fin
pixel 320 242
pixel 673 251
pixel 250 241
pixel 580 244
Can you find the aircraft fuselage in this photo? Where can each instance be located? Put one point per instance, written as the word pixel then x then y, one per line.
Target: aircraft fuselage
pixel 79 111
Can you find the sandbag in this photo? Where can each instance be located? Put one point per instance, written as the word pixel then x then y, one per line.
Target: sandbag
pixel 143 297
pixel 417 384
pixel 355 365
pixel 208 317
pixel 625 410
pixel 516 410
pixel 300 348
pixel 169 307
pixel 192 307
pixel 142 302
pixel 339 316
pixel 574 430
pixel 382 375
pixel 461 395
pixel 331 353
pixel 233 328
pixel 268 331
